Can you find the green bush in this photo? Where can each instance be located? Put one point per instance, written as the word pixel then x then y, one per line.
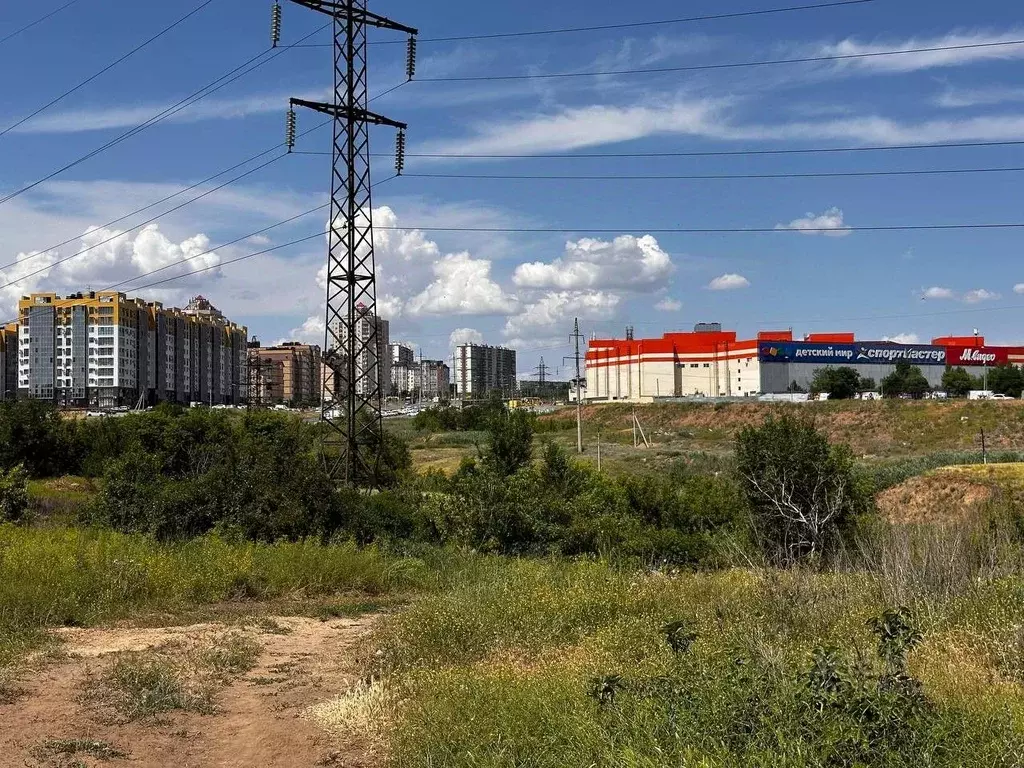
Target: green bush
pixel 510 442
pixel 13 494
pixel 801 490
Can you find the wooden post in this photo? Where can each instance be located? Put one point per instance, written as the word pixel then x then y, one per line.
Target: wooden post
pixel 984 452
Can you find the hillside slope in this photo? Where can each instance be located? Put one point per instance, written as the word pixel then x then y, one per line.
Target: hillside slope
pixel 878 428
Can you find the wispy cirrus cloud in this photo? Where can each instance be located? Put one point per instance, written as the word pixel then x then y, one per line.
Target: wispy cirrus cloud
pixel 962 98
pixel 114 117
pixel 990 45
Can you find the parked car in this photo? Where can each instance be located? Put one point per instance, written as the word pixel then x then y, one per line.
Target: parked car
pixel 1001 397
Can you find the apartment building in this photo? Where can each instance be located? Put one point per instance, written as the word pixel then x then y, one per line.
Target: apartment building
pixel 287 373
pixel 434 381
pixel 404 372
pixel 9 361
pixel 104 349
pixel 481 369
pixel 372 364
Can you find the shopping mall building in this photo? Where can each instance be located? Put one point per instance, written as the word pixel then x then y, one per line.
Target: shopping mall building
pixel 711 362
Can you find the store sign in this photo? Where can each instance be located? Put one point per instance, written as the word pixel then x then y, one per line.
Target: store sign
pixel 966 356
pixel 850 354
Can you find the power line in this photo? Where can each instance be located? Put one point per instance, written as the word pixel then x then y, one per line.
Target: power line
pixel 208 179
pixel 237 240
pixel 724 65
pixel 704 230
pixel 107 68
pixel 207 90
pixel 697 153
pixel 625 25
pixel 38 21
pixel 712 177
pixel 66 259
pixel 218 248
pixel 179 207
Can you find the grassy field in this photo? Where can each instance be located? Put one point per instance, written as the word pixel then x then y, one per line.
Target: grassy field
pixel 874 429
pixel 575 664
pixel 531 662
pixel 53 577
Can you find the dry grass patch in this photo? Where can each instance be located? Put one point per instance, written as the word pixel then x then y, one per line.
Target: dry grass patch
pixel 176 676
pixel 364 711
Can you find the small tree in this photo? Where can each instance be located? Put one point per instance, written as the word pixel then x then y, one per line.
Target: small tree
pixel 800 488
pixel 13 494
pixel 957 382
pixel 1006 379
pixel 510 442
pixel 839 383
pixel 906 379
pixel 867 384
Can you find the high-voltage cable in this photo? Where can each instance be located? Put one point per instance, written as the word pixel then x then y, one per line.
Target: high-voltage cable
pixel 82 252
pixel 713 176
pixel 723 65
pixel 623 25
pixel 36 22
pixel 121 59
pixel 698 153
pixel 240 71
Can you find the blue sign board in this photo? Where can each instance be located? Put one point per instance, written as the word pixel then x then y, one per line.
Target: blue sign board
pixel 878 353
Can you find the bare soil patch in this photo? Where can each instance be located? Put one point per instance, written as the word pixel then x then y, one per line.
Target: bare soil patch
pixel 941 496
pixel 259 718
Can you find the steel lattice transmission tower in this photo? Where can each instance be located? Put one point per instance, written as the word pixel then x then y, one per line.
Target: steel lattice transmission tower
pixel 352 390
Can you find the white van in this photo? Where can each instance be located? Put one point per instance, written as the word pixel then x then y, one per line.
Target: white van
pixel 980 394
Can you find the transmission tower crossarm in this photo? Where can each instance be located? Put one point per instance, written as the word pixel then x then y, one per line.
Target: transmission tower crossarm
pixel 359 15
pixel 345 112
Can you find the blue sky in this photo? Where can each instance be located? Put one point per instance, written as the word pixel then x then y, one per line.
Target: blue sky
pixel 523 288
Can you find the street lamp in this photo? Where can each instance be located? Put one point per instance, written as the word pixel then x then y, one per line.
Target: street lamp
pixel 984 364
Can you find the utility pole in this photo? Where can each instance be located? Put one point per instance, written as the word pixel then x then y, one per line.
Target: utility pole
pixel 576 336
pixel 542 377
pixel 353 427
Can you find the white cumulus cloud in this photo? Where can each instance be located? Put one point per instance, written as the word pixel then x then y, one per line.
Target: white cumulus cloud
pixel 462 336
pixel 903 338
pixel 555 309
pixel 107 257
pixel 937 292
pixel 1018 288
pixel 729 282
pixel 669 305
pixel 830 223
pixel 979 295
pixel 592 264
pixel 462 285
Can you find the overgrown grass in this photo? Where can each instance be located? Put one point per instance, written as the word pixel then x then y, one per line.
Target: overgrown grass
pixel 551 663
pixel 78 577
pixel 142 684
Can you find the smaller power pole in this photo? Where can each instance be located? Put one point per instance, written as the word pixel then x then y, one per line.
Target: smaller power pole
pixel 542 377
pixel 576 336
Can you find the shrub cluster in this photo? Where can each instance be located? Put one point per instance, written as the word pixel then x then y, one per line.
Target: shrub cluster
pixel 506 502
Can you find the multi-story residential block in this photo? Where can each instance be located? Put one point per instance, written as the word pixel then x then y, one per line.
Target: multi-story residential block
pixel 372 364
pixel 105 349
pixel 434 380
pixel 481 369
pixel 9 361
pixel 288 373
pixel 403 364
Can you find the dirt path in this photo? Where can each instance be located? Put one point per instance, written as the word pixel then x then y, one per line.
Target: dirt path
pixel 260 717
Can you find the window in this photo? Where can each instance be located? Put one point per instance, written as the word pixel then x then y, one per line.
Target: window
pixel 707 365
pixel 695 365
